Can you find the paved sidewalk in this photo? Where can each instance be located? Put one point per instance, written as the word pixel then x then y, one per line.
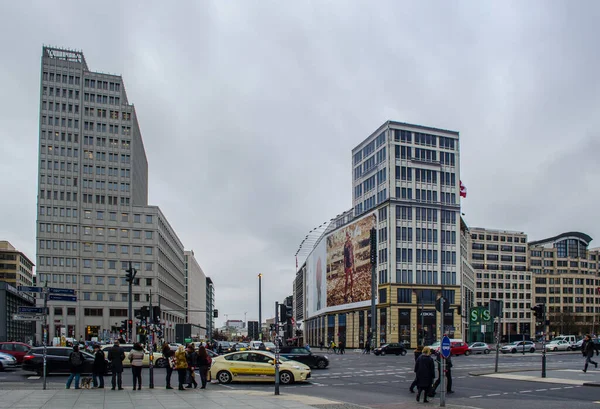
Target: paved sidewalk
pixel 165 399
pixel 559 376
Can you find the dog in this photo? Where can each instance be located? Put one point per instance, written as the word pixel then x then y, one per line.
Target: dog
pixel 86 382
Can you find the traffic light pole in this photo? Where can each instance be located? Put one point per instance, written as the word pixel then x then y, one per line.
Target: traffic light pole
pixel 131 272
pixel 151 344
pixel 544 341
pixel 373 237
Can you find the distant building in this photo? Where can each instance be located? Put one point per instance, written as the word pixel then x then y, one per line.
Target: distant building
pixel 15 266
pixel 195 292
pixel 10 301
pixel 210 307
pixel 239 324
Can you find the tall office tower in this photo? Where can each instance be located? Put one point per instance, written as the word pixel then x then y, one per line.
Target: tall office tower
pixel 195 293
pixel 93 216
pixel 210 308
pixel 499 259
pixel 567 282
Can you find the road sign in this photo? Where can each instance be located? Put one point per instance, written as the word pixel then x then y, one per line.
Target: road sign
pixel 30 310
pixel 28 289
pixel 53 297
pixel 66 291
pixel 28 317
pixel 445 348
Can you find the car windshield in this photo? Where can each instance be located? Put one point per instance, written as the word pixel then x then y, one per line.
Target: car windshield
pixel 269 345
pixel 385 345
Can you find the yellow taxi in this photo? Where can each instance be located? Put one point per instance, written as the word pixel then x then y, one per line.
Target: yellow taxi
pixel 127 348
pixel 256 366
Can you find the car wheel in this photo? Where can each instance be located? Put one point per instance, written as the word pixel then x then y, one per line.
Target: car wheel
pixel 486 351
pixel 514 351
pixel 286 378
pixel 532 350
pixel 224 377
pixel 322 364
pixel 382 353
pixel 403 352
pixel 467 353
pixel 161 363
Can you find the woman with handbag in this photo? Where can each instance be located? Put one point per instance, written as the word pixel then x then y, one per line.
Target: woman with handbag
pixel 168 354
pixel 191 361
pixel 136 357
pixel 203 361
pixel 181 365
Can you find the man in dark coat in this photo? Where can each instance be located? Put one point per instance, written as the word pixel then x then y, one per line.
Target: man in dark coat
pixel 587 349
pixel 418 352
pixel 425 371
pixel 99 367
pixel 448 375
pixel 116 355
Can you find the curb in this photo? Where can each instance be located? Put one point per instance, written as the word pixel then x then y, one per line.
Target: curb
pixel 593 384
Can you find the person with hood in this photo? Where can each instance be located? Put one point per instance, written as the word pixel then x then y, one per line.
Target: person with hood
pixel 168 355
pixel 76 365
pixel 181 365
pixel 99 367
pixel 587 349
pixel 116 355
pixel 425 371
pixel 136 357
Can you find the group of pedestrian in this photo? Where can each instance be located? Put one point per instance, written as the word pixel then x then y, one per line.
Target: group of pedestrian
pixel 425 373
pixel 186 361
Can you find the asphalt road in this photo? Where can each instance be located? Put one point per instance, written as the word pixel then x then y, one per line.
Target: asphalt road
pixel 382 382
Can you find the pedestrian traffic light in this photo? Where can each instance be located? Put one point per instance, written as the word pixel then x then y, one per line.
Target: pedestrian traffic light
pixel 156 314
pixel 124 325
pixel 131 273
pixel 373 246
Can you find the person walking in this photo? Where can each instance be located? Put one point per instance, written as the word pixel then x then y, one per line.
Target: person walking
pixel 168 355
pixel 99 367
pixel 203 363
pixel 367 349
pixel 191 357
pixel 587 349
pixel 425 371
pixel 116 355
pixel 136 357
pixel 76 365
pixel 342 347
pixel 418 352
pixel 181 365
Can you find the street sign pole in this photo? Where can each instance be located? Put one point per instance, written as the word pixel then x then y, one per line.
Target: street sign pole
pixel 445 342
pixel 150 343
pixel 276 348
pixel 45 330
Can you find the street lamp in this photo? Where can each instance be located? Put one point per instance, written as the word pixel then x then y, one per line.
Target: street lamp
pixel 260 306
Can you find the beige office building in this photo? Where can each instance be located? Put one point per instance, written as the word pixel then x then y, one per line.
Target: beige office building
pixel 566 276
pixel 15 266
pixel 499 259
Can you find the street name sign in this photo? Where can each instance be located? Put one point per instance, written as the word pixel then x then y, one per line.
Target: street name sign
pixel 66 291
pixel 28 289
pixel 53 297
pixel 30 310
pixel 445 348
pixel 28 317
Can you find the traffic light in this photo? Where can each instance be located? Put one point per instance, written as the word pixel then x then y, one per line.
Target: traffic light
pixel 131 273
pixel 144 313
pixel 124 325
pixel 130 322
pixel 285 312
pixel 215 313
pixel 538 311
pixel 156 314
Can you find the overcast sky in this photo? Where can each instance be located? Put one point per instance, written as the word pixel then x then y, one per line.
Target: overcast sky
pixel 249 111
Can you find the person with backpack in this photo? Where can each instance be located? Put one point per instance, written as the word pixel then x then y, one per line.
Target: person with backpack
pixel 76 365
pixel 116 355
pixel 99 367
pixel 203 362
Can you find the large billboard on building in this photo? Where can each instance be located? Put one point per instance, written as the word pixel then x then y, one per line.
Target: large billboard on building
pixel 338 271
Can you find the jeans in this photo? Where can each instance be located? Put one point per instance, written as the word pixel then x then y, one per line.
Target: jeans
pixel 448 381
pixel 192 377
pixel 77 376
pixel 117 379
pixel 137 375
pixel 95 378
pixel 588 360
pixel 169 373
pixel 181 373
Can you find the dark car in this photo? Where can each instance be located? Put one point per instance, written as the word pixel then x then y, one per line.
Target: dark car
pixel 57 360
pixel 395 348
pixel 16 349
pixel 304 356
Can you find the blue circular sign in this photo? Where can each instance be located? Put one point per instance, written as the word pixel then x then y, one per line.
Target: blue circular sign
pixel 445 347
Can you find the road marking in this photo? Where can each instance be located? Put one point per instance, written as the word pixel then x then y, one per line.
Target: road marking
pixel 476 396
pixel 555 389
pixel 33 377
pixel 568 387
pixel 383 382
pixel 347 376
pixel 493 394
pixel 541 390
pixel 353 383
pixel 337 384
pixel 525 391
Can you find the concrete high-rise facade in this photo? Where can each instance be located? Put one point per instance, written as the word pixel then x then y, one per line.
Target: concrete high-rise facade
pixel 93 214
pixel 195 292
pixel 210 307
pixel 499 259
pixel 15 266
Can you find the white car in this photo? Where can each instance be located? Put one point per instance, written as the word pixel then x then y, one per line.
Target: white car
pixel 558 345
pixel 518 346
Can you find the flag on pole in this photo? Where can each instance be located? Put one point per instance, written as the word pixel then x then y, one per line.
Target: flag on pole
pixel 463 190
